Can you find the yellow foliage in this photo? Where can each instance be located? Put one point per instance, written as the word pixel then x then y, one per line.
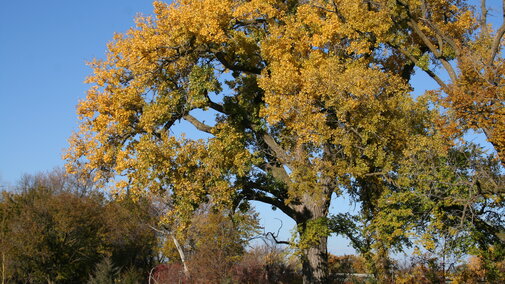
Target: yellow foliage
pixel 318 97
pixel 321 93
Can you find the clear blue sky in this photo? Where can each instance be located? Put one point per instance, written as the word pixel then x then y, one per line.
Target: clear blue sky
pixel 43 49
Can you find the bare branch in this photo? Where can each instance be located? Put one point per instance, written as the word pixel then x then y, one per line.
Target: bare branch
pixel 177 246
pixel 496 43
pixel 483 16
pixel 279 152
pixel 432 74
pixel 449 69
pixel 275 236
pixel 277 241
pixel 181 255
pixel 199 125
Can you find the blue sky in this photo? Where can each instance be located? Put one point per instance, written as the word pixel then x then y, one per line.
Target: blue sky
pixel 43 50
pixel 45 45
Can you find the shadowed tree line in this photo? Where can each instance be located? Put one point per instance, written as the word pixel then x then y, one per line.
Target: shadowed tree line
pixel 55 229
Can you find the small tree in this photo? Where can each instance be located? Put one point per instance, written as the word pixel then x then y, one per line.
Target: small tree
pixel 213 244
pixel 52 234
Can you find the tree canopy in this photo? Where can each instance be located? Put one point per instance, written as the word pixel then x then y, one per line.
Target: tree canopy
pixel 303 100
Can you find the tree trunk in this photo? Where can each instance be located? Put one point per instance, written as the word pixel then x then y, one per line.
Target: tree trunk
pixel 315 257
pixel 315 263
pixel 382 266
pixel 182 256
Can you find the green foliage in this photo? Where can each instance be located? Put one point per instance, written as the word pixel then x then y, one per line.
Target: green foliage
pixel 493 262
pixel 424 62
pixel 348 225
pixel 456 197
pixel 311 233
pixel 202 82
pixel 449 203
pixel 53 234
pixel 55 247
pixel 130 275
pixel 106 272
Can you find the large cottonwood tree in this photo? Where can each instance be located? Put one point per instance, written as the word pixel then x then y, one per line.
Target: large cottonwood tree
pixel 307 98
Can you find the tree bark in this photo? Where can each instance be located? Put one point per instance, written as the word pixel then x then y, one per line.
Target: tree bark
pixel 182 256
pixel 315 258
pixel 315 263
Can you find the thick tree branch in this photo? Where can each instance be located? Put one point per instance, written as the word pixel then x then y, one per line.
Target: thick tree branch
pixel 217 107
pixel 278 172
pixel 430 73
pixel 279 152
pixel 483 16
pixel 434 49
pixel 415 27
pixel 199 125
pixel 221 57
pixel 167 126
pixel 253 191
pixel 449 69
pixel 267 142
pixel 271 163
pixel 452 74
pixel 496 43
pixel 443 37
pixel 440 35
